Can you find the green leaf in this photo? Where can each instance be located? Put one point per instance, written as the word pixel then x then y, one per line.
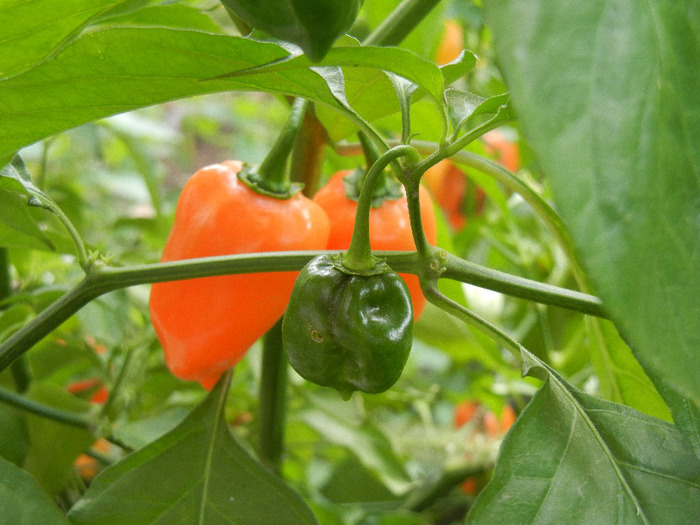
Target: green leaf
pixel 621 377
pixel 464 106
pixel 395 60
pixel 404 91
pixel 613 117
pixel 573 458
pixel 35 31
pixel 173 15
pixel 197 473
pixel 114 70
pixel 22 499
pixel 463 64
pixel 22 224
pixel 15 177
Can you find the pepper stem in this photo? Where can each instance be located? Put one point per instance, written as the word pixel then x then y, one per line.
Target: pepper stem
pixel 359 256
pixel 271 177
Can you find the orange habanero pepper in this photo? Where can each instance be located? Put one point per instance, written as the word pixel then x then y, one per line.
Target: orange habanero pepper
pixel 206 325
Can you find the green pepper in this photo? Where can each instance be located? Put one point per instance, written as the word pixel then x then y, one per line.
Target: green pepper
pixel 313 25
pixel 348 330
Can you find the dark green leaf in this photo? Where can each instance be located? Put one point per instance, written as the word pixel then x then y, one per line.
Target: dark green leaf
pixel 612 116
pixel 23 500
pixel 576 459
pixel 197 473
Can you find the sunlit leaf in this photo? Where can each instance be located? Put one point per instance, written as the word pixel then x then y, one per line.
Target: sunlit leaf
pixel 34 31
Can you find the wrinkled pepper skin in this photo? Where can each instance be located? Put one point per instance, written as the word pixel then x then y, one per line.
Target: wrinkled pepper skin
pixel 350 332
pixel 389 226
pixel 206 325
pixel 313 25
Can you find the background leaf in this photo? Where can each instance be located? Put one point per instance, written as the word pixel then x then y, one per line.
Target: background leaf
pixel 338 424
pixel 195 474
pixel 54 446
pixel 569 449
pixel 618 138
pixel 23 500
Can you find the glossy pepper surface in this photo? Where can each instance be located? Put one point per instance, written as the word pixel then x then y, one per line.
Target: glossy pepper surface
pixel 390 226
pixel 313 25
pixel 206 325
pixel 348 331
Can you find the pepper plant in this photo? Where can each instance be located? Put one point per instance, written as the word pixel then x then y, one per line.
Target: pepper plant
pixel 562 288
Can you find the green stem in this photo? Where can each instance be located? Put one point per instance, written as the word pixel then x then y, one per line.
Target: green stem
pixel 5 279
pixel 271 177
pixel 402 20
pixel 548 215
pixel 467 272
pixel 273 399
pixel 40 199
pixel 20 370
pixel 433 295
pixel 359 255
pixel 69 418
pixel 102 279
pixel 309 150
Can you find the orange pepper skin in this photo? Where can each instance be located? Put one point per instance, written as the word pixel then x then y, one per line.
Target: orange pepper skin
pixel 449 187
pixel 206 325
pixel 504 151
pixel 451 43
pixel 389 226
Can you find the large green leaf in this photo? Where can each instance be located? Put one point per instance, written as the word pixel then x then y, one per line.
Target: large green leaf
pixel 608 96
pixel 576 459
pixel 22 501
pixel 118 69
pixel 197 473
pixel 34 31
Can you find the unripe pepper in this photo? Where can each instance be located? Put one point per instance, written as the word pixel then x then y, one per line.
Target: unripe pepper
pixel 390 227
pixel 206 325
pixel 313 25
pixel 346 330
